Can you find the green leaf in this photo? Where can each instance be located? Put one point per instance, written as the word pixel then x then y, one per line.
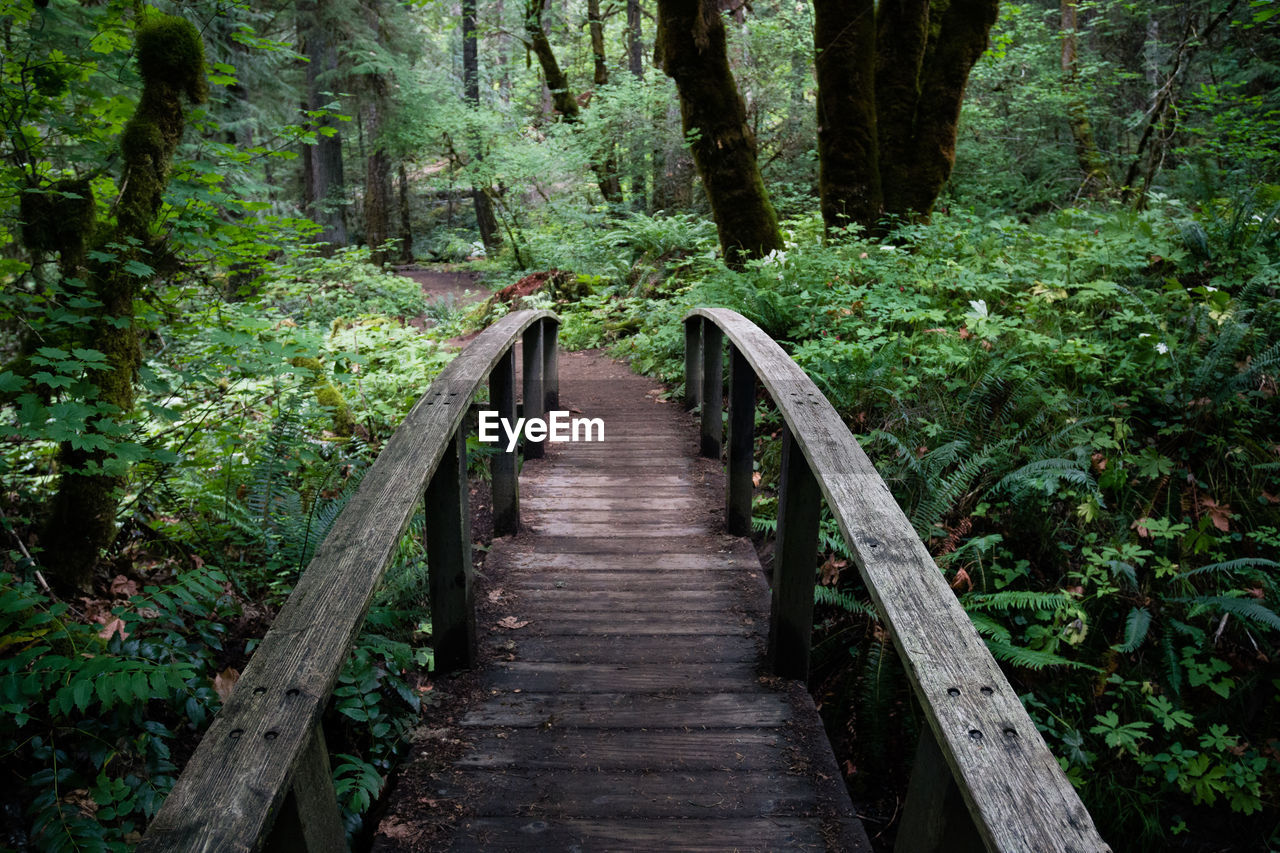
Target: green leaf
pixel 1135 629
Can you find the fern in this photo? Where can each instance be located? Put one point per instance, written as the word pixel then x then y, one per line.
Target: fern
pixel 1135 629
pixel 1011 599
pixel 1030 658
pixel 833 597
pixel 1248 609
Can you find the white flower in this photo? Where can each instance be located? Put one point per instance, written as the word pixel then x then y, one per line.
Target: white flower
pixel 774 257
pixel 979 307
pixel 1143 335
pixel 1162 348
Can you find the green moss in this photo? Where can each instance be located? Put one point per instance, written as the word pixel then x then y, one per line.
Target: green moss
pixel 328 395
pixel 170 51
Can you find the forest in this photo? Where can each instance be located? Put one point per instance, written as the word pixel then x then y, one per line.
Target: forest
pixel 1030 251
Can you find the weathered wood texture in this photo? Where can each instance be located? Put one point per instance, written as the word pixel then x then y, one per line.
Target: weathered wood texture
pixel 627 711
pixel 1016 793
pixel 235 785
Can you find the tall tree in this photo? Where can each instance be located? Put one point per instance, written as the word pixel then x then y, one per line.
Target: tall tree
pixel 323 182
pixel 486 222
pixel 891 79
pixel 558 84
pixel 690 47
pixel 1092 165
pixel 374 105
pixel 170 59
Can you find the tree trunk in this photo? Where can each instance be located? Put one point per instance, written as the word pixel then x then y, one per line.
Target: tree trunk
pixel 377 189
pixel 611 184
pixel 486 223
pixel 691 49
pixel 1091 163
pixel 566 104
pixel 635 57
pixel 889 99
pixel 82 522
pixel 406 224
pixel 323 183
pixel 844 37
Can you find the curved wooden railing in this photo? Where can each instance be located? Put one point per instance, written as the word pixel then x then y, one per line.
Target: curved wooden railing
pixel 983 776
pixel 260 777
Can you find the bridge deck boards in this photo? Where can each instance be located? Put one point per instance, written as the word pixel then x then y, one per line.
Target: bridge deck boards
pixel 628 709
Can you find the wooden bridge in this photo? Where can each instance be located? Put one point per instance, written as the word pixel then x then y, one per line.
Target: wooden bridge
pixel 652 694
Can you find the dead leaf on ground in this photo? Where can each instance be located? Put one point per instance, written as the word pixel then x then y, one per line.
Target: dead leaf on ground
pixel 122 586
pixel 111 627
pixel 512 622
pixel 495 593
pixel 755 479
pixel 225 681
pixel 1220 515
pixel 962 579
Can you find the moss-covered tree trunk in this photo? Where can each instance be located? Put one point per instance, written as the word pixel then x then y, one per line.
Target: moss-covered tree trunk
pixel 82 520
pixel 889 97
pixel 377 185
pixel 691 49
pixel 844 38
pixel 565 102
pixel 1093 167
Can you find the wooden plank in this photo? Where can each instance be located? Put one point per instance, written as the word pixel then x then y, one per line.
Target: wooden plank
pixel 712 397
pixel 692 649
pixel 560 677
pixel 630 710
pixel 534 389
pixel 653 559
pixel 502 465
pixel 799 513
pixel 742 416
pixel 631 750
pixel 705 835
pixel 664 532
pixel 623 601
pixel 310 821
pixel 676 795
pixel 652 582
pixel 1012 785
pixel 550 328
pixel 235 783
pixel 934 817
pixel 448 541
pixel 692 362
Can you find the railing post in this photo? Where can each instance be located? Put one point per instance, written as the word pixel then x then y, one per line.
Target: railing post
pixel 534 392
pixel 310 821
pixel 693 361
pixel 550 365
pixel 502 465
pixel 934 817
pixel 799 511
pixel 742 416
pixel 712 390
pixel 453 615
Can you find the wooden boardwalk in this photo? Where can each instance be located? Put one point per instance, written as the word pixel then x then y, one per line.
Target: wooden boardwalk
pixel 623 706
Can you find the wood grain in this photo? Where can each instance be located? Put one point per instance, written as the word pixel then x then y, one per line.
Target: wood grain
pixel 1014 789
pixel 235 784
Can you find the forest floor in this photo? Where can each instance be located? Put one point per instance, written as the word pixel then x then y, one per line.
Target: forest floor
pixel 440 284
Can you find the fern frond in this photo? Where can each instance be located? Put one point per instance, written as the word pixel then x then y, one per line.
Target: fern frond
pixel 1030 658
pixel 1135 629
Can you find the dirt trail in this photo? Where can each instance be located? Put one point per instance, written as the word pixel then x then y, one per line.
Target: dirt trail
pixel 439 283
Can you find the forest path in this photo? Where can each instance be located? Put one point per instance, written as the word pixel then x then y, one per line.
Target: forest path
pixel 621 703
pixel 440 284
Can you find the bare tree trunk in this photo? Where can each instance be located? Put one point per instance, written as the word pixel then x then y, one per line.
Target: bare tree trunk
pixel 406 224
pixel 323 184
pixel 377 189
pixel 635 58
pixel 691 49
